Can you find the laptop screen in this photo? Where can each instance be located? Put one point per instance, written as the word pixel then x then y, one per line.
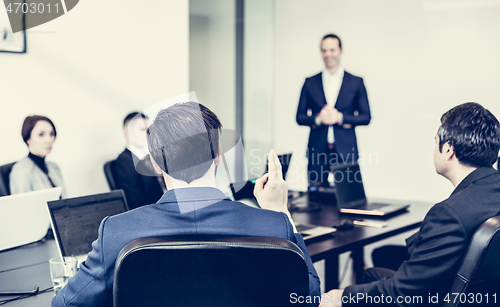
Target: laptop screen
pixel 76 220
pixel 242 190
pixel 349 184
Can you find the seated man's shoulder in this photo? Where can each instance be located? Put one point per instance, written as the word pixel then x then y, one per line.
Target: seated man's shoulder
pixel 124 156
pixel 257 211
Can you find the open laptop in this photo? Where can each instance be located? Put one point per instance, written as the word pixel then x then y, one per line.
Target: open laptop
pixel 24 218
pixel 351 196
pixel 76 221
pixel 242 191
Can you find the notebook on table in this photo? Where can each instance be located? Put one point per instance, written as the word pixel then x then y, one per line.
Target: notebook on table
pixel 312 231
pixel 76 221
pixel 350 194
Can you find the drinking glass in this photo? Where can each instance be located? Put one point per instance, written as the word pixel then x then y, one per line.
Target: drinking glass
pixel 61 270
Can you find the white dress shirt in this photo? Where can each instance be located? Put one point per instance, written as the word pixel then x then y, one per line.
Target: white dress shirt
pixel 331 87
pixel 140 153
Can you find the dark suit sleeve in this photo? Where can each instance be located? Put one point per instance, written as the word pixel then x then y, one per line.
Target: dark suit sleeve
pixel 362 107
pixel 302 118
pixel 128 180
pixel 437 253
pixel 89 286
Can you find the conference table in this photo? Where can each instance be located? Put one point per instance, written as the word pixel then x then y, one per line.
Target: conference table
pixel 24 267
pixel 329 247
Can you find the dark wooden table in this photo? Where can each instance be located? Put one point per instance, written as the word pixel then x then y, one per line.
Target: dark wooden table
pixel 329 247
pixel 25 267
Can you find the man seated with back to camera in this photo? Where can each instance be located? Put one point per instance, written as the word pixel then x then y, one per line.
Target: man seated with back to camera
pixel 467 145
pixel 188 157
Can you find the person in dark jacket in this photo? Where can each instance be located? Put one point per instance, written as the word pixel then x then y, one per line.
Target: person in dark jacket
pixel 139 189
pixel 467 145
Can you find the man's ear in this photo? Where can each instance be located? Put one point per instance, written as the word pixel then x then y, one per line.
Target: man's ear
pixel 218 159
pixel 158 170
pixel 448 150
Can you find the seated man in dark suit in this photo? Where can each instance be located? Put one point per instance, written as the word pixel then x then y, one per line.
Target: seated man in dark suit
pixel 467 145
pixel 184 143
pixel 139 189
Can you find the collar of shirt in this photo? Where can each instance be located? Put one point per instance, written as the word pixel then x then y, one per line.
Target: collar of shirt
pixel 338 74
pixel 192 198
pixel 476 175
pixel 138 152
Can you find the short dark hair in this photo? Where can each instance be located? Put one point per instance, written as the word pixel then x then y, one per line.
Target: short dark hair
pixel 30 122
pixel 332 36
pixel 473 132
pixel 184 140
pixel 129 117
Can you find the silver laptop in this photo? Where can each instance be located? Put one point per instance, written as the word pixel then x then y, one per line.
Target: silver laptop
pixel 76 221
pixel 24 218
pixel 350 194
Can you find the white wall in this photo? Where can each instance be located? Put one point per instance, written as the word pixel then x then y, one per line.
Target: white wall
pixel 258 115
pixel 212 54
pixel 88 69
pixel 418 59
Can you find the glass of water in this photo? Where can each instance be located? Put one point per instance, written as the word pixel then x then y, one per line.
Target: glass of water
pixel 61 270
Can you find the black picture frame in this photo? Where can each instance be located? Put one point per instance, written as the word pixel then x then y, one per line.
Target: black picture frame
pixel 12 42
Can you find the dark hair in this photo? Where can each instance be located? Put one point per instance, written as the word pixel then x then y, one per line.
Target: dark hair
pixel 332 36
pixel 30 122
pixel 473 132
pixel 184 140
pixel 131 116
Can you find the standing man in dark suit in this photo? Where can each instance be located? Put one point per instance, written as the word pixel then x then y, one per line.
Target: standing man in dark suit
pixel 467 145
pixel 332 103
pixel 139 189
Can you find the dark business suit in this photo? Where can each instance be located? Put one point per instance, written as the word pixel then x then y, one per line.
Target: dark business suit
pixel 437 249
pixel 139 190
pixel 352 102
pixel 185 211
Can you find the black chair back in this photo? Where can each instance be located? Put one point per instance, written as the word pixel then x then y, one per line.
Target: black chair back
pixel 479 273
pixel 4 178
pixel 201 271
pixel 109 172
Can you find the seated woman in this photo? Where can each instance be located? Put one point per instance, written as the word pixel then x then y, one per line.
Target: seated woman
pixel 33 172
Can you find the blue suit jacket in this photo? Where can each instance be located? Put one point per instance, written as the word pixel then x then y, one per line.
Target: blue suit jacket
pixel 352 102
pixel 183 211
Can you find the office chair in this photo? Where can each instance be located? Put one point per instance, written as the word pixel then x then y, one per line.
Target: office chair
pixel 205 270
pixel 479 272
pixel 3 188
pixel 109 172
pixel 4 178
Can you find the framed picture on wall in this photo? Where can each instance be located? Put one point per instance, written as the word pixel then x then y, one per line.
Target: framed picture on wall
pixel 9 41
